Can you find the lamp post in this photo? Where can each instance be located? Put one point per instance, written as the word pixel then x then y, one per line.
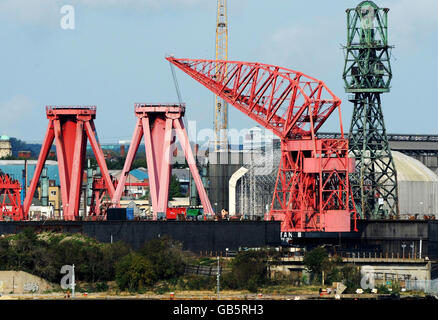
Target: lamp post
pixel 412 246
pixel 403 248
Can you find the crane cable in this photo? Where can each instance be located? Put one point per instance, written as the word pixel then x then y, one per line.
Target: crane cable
pixel 178 93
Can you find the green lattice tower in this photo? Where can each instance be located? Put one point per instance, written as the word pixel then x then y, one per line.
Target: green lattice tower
pixel 367 74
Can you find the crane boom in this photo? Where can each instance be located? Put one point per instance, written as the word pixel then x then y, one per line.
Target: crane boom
pixel 312 191
pixel 288 102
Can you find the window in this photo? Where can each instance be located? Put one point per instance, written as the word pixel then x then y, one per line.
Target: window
pixel 53 192
pixel 379 275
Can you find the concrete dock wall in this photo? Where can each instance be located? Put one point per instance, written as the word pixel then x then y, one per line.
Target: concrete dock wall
pixel 195 236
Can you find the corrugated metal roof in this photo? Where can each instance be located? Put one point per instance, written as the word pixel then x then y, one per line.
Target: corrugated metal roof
pixel 135 175
pixel 139 174
pixel 410 169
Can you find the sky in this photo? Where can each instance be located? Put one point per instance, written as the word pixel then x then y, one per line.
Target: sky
pixel 115 57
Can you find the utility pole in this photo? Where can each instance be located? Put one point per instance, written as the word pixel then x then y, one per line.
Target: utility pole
pixel 322 282
pixel 73 283
pixel 218 275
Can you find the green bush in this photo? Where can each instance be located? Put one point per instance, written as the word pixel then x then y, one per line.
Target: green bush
pixel 396 287
pixel 197 282
pixel 318 260
pixel 253 284
pixel 382 289
pixel 249 270
pixel 165 256
pixel 45 253
pixel 158 260
pixel 101 287
pixel 134 273
pixel 206 261
pixel 161 287
pixel 351 277
pixel 228 281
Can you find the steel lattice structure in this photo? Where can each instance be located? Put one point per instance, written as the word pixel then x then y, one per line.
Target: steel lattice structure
pixel 99 193
pixel 221 106
pixel 100 200
pixel 10 198
pixel 367 74
pixel 312 191
pixel 255 188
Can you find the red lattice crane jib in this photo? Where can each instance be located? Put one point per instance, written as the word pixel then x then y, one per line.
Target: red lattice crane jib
pixel 312 190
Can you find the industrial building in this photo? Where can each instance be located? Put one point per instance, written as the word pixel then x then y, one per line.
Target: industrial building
pixel 5 147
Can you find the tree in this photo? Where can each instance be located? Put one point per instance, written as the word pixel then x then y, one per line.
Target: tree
pixel 138 163
pixel 134 273
pixel 317 261
pixel 166 257
pixel 174 187
pixel 351 277
pixel 249 270
pixel 112 253
pixel 44 254
pixel 5 254
pixel 334 270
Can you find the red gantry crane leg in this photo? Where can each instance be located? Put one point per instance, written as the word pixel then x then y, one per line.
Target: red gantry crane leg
pixel 157 122
pixel 69 127
pixel 312 190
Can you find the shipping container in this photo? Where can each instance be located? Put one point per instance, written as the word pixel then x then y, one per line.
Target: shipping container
pixel 129 213
pixel 172 213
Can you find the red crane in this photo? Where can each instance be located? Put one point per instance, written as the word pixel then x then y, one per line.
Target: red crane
pixel 157 123
pixel 69 127
pixel 100 200
pixel 312 190
pixel 10 202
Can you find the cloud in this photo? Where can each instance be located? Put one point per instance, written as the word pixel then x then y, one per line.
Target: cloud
pixel 309 49
pixel 409 23
pixel 315 46
pixel 16 113
pixel 31 11
pixel 139 3
pixel 42 11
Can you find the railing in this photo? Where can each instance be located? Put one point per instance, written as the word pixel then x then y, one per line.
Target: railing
pixel 391 137
pixel 367 257
pixel 70 107
pixel 149 104
pixel 202 270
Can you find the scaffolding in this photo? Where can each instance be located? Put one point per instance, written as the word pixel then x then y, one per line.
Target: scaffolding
pixel 254 189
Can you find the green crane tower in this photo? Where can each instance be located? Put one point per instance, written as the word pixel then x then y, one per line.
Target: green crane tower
pixel 367 74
